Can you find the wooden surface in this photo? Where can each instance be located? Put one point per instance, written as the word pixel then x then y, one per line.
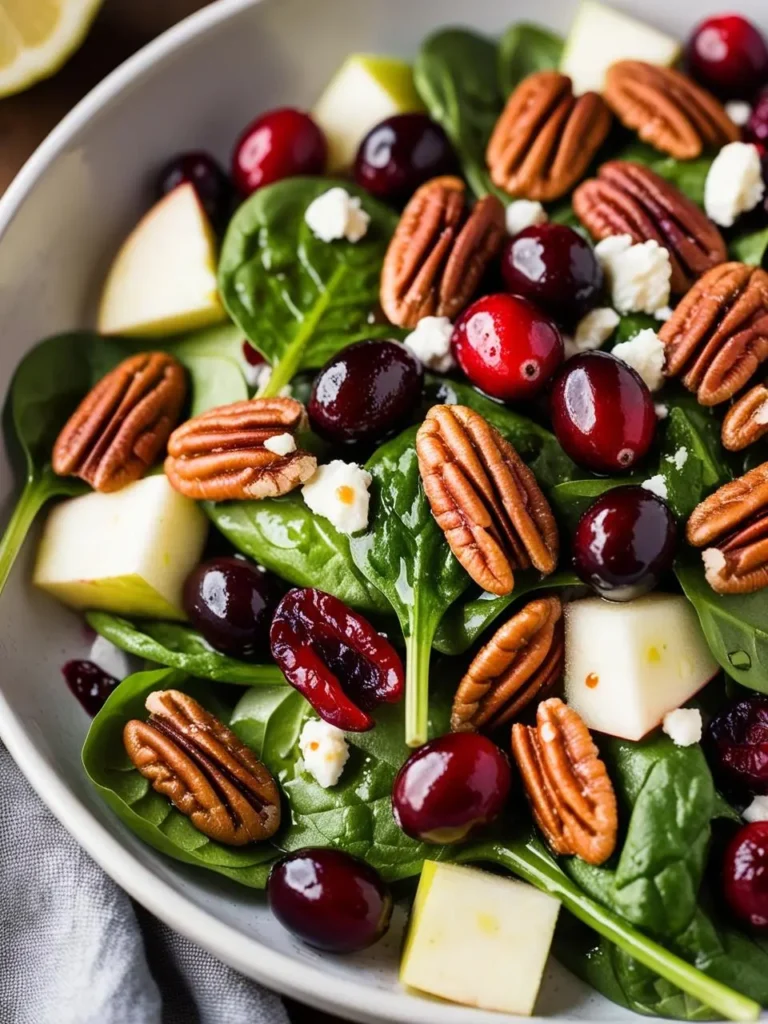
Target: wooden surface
pixel 121 28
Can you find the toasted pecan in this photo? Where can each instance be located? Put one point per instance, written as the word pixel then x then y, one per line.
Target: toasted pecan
pixel 747 419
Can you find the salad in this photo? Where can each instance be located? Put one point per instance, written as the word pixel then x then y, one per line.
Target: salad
pixel 414 485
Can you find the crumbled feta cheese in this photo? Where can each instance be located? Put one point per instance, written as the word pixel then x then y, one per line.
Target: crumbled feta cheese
pixel 661 410
pixel 739 112
pixel 592 331
pixel 281 444
pixel 663 314
pixel 638 275
pixel 714 563
pixel 339 493
pixel 524 213
pixel 679 459
pixel 430 341
pixel 336 214
pixel 656 485
pixel 684 726
pixel 254 374
pixel 645 354
pixel 262 377
pixel 757 810
pixel 324 751
pixel 734 183
pixel 110 659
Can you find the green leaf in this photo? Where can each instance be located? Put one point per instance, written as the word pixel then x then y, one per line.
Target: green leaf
pixel 693 430
pixel 524 49
pixel 631 324
pixel 749 247
pixel 571 499
pixel 213 358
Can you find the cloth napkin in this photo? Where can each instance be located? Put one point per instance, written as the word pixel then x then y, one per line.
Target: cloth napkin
pixel 74 949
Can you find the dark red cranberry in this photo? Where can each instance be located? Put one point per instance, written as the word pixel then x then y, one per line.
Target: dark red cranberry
pixel 366 392
pixel 602 412
pixel 737 744
pixel 400 154
pixel 90 684
pixel 252 355
pixel 451 787
pixel 212 185
pixel 729 56
pixel 330 899
pixel 231 602
pixel 555 268
pixel 624 543
pixel 507 347
pixel 279 144
pixel 745 875
pixel 757 127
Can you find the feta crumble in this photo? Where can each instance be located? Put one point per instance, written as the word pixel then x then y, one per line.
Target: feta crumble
pixel 757 810
pixel 684 726
pixel 324 751
pixel 338 491
pixel 656 485
pixel 281 444
pixel 739 112
pixel 714 563
pixel 661 410
pixel 734 183
pixel 638 274
pixel 336 214
pixel 645 354
pixel 430 341
pixel 663 314
pixel 109 658
pixel 524 213
pixel 592 331
pixel 679 459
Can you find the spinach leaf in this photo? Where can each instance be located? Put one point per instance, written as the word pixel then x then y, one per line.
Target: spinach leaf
pixel 523 49
pixel 630 324
pixel 692 461
pixel 299 299
pixel 213 359
pixel 749 246
pixel 571 499
pixel 148 814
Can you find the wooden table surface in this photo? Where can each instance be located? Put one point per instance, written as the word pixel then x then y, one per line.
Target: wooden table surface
pixel 121 28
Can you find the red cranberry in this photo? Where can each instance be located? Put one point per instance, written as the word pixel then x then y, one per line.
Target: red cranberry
pixel 213 187
pixel 745 875
pixel 330 899
pixel 400 154
pixel 507 347
pixel 366 392
pixel 554 267
pixel 624 543
pixel 279 144
pixel 90 684
pixel 729 56
pixel 737 744
pixel 602 412
pixel 757 127
pixel 450 787
pixel 231 602
pixel 252 355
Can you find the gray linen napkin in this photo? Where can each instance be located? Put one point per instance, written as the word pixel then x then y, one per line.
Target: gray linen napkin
pixel 74 949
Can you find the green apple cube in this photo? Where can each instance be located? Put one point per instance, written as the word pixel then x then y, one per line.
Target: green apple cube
pixel 478 939
pixel 601 36
pixel 127 552
pixel 365 90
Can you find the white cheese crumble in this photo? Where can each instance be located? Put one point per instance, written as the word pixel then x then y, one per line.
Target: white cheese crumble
pixel 524 213
pixel 592 331
pixel 661 410
pixel 645 354
pixel 739 112
pixel 110 659
pixel 281 444
pixel 757 810
pixel 336 214
pixel 656 485
pixel 255 374
pixel 734 183
pixel 679 459
pixel 714 563
pixel 638 275
pixel 430 341
pixel 324 751
pixel 684 726
pixel 663 314
pixel 339 493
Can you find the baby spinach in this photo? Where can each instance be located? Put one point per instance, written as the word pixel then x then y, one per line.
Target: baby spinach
pixel 692 461
pixel 524 49
pixel 213 359
pixel 299 299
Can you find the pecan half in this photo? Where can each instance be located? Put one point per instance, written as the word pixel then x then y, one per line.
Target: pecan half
pixel 521 661
pixel 628 199
pixel 667 109
pixel 747 419
pixel 567 785
pixel 484 498
pixel 122 425
pixel 439 252
pixel 546 138
pixel 220 455
pixel 205 771
pixel 718 335
pixel 732 526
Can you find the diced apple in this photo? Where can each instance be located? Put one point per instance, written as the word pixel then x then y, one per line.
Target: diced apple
pixel 478 939
pixel 601 35
pixel 365 90
pixel 126 552
pixel 628 664
pixel 163 279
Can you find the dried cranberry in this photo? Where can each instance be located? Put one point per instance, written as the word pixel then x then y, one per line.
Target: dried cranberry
pixel 231 602
pixel 279 144
pixel 213 187
pixel 745 875
pixel 400 154
pixel 728 55
pixel 335 658
pixel 89 683
pixel 737 744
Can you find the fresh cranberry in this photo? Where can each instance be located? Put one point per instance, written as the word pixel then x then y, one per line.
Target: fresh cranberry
pixel 745 875
pixel 252 355
pixel 400 154
pixel 736 743
pixel 757 127
pixel 450 787
pixel 279 144
pixel 507 347
pixel 330 899
pixel 729 56
pixel 231 602
pixel 602 412
pixel 90 684
pixel 213 187
pixel 555 268
pixel 366 392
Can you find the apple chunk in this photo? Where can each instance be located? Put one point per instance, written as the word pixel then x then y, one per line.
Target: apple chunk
pixel 627 665
pixel 478 939
pixel 163 279
pixel 127 552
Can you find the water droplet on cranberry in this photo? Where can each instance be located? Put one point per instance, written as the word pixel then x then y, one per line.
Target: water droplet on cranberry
pixel 400 154
pixel 745 875
pixel 366 392
pixel 602 412
pixel 507 346
pixel 729 56
pixel 736 744
pixel 330 899
pixel 451 787
pixel 280 144
pixel 231 603
pixel 212 185
pixel 89 683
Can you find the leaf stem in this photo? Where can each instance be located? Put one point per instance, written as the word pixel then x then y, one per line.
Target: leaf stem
pixel 35 494
pixel 418 649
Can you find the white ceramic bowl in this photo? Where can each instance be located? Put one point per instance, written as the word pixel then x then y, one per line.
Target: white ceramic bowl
pixel 60 221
